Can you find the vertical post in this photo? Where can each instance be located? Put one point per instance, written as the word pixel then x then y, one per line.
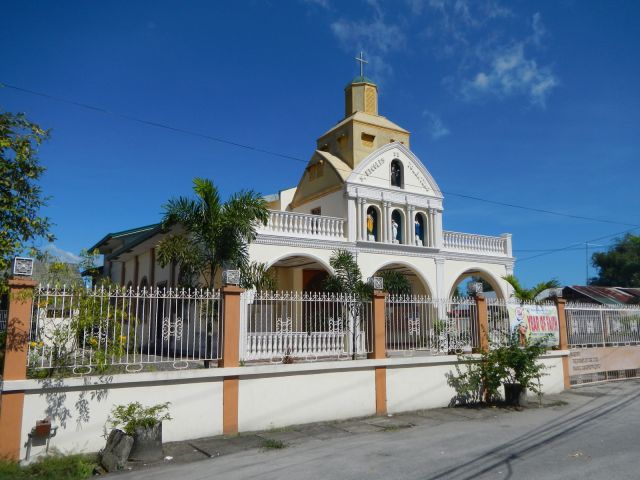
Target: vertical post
pixel 379 350
pixel 15 365
pixel 230 357
pixel 483 322
pixel 564 340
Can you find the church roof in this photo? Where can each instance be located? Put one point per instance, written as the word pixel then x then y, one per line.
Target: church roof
pixel 362 79
pixel 341 168
pixel 375 120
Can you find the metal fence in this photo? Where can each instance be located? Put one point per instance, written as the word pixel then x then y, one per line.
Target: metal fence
pixel 84 330
pixel 281 327
pixel 590 325
pixel 436 326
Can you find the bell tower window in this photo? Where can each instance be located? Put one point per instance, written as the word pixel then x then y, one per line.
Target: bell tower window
pixel 397 174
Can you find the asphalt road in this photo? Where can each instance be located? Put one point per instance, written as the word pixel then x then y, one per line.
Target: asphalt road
pixel 595 435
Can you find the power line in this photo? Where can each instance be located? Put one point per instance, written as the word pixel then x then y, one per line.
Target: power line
pixel 568 247
pixel 290 157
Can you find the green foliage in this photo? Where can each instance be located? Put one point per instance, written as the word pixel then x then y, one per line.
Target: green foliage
pixel 479 380
pixel 21 197
pixel 71 329
pixel 620 266
pixel 257 275
pixel 395 282
pixel 529 294
pixel 132 415
pixel 52 467
pixel 215 234
pixel 347 277
pixel 271 444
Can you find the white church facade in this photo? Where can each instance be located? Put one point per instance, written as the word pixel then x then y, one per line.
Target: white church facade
pixel 363 190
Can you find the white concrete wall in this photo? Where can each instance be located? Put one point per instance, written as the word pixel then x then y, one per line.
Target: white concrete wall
pixel 331 205
pixel 81 414
pixel 415 387
pixel 277 401
pixel 270 396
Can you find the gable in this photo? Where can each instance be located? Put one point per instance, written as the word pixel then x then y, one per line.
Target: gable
pixel 325 173
pixel 375 171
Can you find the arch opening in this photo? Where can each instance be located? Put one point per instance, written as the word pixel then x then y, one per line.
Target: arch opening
pixel 418 285
pixel 397 174
pixel 299 273
pixel 465 284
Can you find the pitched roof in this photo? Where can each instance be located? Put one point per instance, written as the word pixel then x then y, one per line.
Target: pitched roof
pixel 606 295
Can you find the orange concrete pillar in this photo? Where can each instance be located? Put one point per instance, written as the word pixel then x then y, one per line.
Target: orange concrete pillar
pixel 564 339
pixel 230 357
pixel 379 349
pixel 15 365
pixel 483 322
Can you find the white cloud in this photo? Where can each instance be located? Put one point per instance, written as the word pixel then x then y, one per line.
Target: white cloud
pixel 62 255
pixel 319 3
pixel 539 30
pixel 376 36
pixel 511 72
pixel 436 128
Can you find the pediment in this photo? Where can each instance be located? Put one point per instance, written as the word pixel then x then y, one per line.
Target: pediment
pixel 375 171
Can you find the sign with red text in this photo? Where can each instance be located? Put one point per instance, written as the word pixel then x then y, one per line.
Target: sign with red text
pixel 536 322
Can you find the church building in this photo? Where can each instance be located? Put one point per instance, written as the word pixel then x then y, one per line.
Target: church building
pixel 363 190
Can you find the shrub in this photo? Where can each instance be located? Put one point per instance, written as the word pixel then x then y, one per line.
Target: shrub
pixel 129 417
pixel 54 467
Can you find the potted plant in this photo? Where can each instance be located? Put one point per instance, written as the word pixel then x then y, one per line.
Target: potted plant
pixel 144 424
pixel 518 366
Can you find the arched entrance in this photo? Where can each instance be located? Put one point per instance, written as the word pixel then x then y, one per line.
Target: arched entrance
pixel 419 284
pixel 300 273
pixel 463 285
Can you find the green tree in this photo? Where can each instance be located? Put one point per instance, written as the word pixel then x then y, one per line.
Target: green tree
pixel 529 294
pixel 620 266
pixel 214 234
pixel 395 282
pixel 21 197
pixel 257 275
pixel 347 277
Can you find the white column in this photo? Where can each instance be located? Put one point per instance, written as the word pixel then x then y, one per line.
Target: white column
pixel 438 229
pixel 357 218
pixel 352 222
pixel 386 222
pixel 440 287
pixel 363 219
pixel 508 249
pixel 411 229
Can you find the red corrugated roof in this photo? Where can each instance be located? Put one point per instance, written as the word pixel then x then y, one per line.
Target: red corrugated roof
pixel 607 295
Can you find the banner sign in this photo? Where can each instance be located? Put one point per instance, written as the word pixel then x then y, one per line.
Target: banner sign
pixel 537 322
pixel 603 359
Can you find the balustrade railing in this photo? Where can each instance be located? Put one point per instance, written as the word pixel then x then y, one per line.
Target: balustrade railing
pixel 85 330
pixel 590 325
pixel 472 243
pixel 436 326
pixel 303 225
pixel 280 327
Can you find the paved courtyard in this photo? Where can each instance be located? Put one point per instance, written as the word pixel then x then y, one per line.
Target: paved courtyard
pixel 590 432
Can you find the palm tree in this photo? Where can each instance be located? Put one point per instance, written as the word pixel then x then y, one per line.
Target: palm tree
pixel 529 294
pixel 214 234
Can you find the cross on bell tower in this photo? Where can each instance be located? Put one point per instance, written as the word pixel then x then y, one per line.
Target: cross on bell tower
pixel 362 61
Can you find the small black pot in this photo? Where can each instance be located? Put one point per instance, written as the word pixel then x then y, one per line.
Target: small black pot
pixel 513 394
pixel 147 444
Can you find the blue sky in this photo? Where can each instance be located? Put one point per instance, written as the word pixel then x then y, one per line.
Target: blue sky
pixel 534 103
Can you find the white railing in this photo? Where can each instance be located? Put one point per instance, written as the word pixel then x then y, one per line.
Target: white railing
pixel 590 325
pixel 283 327
pixel 3 320
pixel 436 326
pixel 292 224
pixel 498 320
pixel 481 244
pixel 77 330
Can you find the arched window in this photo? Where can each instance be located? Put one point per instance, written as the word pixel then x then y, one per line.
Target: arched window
pixel 397 174
pixel 373 224
pixel 396 227
pixel 420 226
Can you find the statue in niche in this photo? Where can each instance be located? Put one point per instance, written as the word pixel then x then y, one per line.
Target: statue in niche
pixel 371 225
pixel 395 231
pixel 419 230
pixel 396 174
